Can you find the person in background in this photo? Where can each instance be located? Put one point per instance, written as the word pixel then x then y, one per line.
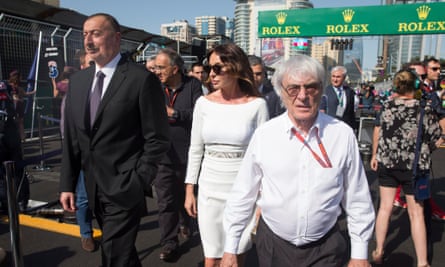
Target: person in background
pixel 18 96
pixel 306 179
pixel 150 64
pixel 432 73
pixel 338 99
pixel 274 105
pixel 118 145
pixel 84 215
pixel 181 93
pixel 199 73
pixel 397 123
pixel 368 96
pixel 436 211
pixel 223 122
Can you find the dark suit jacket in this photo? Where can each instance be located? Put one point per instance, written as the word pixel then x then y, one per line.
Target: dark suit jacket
pixel 329 103
pixel 181 128
pixel 119 153
pixel 274 104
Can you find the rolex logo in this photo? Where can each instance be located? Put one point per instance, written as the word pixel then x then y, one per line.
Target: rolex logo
pixel 347 15
pixel 281 18
pixel 423 11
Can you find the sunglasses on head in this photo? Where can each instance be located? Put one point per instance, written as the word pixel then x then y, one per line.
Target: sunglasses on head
pixel 217 68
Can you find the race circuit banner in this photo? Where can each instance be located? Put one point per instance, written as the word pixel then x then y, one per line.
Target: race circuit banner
pixel 425 18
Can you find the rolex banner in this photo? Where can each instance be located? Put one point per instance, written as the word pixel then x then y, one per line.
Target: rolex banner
pixel 425 18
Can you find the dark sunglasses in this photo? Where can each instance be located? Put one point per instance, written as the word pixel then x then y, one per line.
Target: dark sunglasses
pixel 217 68
pixel 435 68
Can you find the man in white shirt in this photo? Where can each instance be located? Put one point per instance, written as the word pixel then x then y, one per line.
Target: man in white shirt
pixel 301 168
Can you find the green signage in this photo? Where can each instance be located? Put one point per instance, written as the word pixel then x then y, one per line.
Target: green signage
pixel 425 18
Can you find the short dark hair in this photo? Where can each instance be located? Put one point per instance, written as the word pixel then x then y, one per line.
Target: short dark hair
pixel 112 20
pixel 428 60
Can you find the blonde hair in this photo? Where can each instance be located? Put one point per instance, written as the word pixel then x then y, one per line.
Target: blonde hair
pixel 404 82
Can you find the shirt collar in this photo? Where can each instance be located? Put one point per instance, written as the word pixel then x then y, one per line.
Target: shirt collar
pixel 288 125
pixel 110 67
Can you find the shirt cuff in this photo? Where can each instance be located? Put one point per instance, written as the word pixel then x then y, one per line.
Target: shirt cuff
pixel 231 245
pixel 359 250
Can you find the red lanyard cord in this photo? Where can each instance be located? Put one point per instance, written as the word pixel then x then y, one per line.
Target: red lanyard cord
pixel 171 99
pixel 326 163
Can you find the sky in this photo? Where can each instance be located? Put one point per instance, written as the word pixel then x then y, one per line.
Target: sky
pixel 148 15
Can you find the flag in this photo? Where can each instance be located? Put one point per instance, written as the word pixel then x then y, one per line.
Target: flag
pixel 30 79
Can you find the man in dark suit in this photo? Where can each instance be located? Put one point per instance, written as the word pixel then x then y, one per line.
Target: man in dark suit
pixel 274 105
pixel 181 93
pixel 119 147
pixel 338 99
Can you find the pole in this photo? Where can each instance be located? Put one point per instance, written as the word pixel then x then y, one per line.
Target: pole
pixel 42 166
pixel 13 214
pixel 35 83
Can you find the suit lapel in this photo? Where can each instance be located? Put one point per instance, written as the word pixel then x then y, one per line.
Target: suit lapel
pixel 86 85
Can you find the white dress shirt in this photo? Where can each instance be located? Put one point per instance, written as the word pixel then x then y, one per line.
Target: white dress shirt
pixel 300 200
pixel 108 70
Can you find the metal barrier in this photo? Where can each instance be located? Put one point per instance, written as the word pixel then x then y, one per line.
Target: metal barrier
pixel 13 213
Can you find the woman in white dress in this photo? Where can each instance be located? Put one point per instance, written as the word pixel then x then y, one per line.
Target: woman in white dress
pixel 223 123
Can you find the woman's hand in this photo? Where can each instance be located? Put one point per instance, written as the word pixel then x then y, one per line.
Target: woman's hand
pixel 373 163
pixel 190 201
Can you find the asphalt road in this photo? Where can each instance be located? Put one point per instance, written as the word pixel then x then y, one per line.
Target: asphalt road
pixel 46 248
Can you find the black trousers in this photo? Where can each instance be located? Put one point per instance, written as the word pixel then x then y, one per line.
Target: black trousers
pixel 119 230
pixel 273 251
pixel 170 191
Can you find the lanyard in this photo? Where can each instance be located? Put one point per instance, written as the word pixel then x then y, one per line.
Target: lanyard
pixel 326 163
pixel 340 96
pixel 171 99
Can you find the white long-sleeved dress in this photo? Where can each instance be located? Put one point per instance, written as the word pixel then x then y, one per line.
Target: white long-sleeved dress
pixel 219 138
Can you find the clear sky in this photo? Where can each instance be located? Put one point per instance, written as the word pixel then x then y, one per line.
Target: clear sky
pixel 150 14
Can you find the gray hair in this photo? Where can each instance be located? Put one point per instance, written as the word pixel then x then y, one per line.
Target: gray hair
pixel 175 58
pixel 299 65
pixel 340 68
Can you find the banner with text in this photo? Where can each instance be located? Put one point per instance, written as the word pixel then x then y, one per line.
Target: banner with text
pixel 425 18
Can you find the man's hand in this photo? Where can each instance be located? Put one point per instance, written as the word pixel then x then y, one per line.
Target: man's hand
pixel 68 201
pixel 229 260
pixel 358 263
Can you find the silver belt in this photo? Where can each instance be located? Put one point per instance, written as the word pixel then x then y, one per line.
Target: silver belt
pixel 227 155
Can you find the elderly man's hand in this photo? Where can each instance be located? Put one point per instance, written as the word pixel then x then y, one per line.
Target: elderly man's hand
pixel 229 260
pixel 358 263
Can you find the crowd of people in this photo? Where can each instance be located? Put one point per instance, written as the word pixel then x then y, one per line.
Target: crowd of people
pixel 223 144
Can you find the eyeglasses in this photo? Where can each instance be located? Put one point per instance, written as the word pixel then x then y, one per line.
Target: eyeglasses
pixel 217 68
pixel 294 89
pixel 435 68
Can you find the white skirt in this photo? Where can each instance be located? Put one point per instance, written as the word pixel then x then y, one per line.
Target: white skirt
pixel 215 182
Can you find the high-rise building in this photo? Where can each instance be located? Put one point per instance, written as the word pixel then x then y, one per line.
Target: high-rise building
pixel 179 31
pixel 210 25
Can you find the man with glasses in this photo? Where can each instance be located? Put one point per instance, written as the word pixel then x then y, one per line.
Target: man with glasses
pixel 180 94
pixel 432 68
pixel 274 105
pixel 301 181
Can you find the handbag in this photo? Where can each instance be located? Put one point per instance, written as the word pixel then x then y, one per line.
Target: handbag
pixel 422 186
pixel 421 178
